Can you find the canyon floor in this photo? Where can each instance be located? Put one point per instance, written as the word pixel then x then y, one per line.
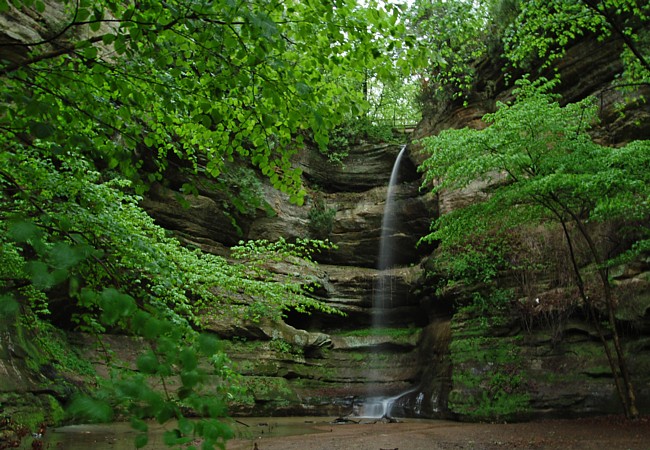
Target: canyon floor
pixel 602 433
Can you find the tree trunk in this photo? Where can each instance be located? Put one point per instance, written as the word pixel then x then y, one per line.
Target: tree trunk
pixel 581 289
pixel 631 410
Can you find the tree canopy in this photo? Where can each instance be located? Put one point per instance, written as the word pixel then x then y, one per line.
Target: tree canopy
pixel 105 100
pixel 138 85
pixel 543 30
pixel 525 35
pixel 541 167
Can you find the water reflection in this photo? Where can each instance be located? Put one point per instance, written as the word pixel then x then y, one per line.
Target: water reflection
pixel 120 436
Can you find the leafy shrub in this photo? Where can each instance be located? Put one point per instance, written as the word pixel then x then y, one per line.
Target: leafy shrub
pixel 321 218
pixel 80 236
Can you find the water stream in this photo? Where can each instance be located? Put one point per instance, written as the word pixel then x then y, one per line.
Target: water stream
pixel 381 407
pixel 121 436
pixel 377 406
pixel 382 298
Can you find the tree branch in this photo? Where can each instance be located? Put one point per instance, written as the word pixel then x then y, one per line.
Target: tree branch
pixel 611 20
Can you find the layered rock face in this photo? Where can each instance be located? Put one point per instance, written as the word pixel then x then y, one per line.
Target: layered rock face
pixel 559 369
pixel 332 365
pixel 308 364
pixel 321 364
pixel 545 351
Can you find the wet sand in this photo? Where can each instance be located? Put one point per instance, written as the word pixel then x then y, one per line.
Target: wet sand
pixel 308 433
pixel 603 433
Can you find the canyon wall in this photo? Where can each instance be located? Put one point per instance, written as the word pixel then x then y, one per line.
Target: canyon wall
pixel 324 364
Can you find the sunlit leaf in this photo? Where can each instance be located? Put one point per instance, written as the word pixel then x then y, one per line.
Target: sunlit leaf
pixel 90 410
pixel 141 440
pixel 9 308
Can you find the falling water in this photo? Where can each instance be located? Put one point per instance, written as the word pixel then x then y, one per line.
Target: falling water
pixel 383 292
pixel 379 407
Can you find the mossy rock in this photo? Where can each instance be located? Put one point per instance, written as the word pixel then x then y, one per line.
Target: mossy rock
pixel 31 410
pixel 269 389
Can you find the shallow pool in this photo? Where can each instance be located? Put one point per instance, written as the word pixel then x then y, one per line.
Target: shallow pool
pixel 120 436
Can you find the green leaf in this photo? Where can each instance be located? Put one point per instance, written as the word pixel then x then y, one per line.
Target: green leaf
pixel 120 44
pixel 141 440
pixel 115 305
pixel 9 308
pixel 166 411
pixel 185 426
pixel 90 410
pixel 208 345
pixel 152 328
pixel 139 425
pixel 147 362
pixel 91 52
pixel 108 38
pixel 172 437
pixel 88 297
pixel 42 130
pixel 22 230
pixel 64 256
pixel 40 274
pixel 190 378
pixel 188 359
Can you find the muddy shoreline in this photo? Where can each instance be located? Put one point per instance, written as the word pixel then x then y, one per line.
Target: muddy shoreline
pixel 602 433
pixel 323 433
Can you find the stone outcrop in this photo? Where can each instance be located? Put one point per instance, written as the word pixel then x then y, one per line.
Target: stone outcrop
pixel 31 386
pixel 356 224
pixel 559 356
pixel 366 166
pixel 305 364
pixel 320 364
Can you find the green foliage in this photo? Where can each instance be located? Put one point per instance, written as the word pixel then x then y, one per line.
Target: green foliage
pixel 538 164
pixel 197 84
pixel 321 218
pixel 393 105
pixel 528 35
pixel 242 191
pixel 456 35
pixel 257 259
pixel 282 346
pixel 49 346
pixel 544 29
pixel 274 389
pixel 355 131
pixel 396 333
pixel 169 382
pixel 79 236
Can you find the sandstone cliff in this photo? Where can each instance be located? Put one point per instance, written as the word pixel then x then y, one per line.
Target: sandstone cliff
pixel 319 364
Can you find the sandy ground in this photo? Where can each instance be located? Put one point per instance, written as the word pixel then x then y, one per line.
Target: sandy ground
pixel 603 433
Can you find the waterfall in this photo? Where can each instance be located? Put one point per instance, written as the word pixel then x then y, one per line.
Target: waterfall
pixel 379 407
pixel 382 297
